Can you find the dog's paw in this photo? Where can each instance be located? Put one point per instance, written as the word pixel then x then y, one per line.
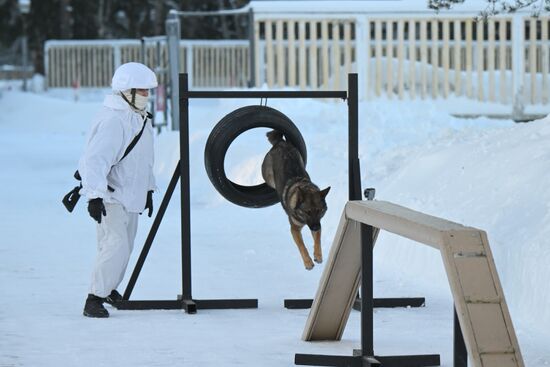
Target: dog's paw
pixel 309 264
pixel 318 259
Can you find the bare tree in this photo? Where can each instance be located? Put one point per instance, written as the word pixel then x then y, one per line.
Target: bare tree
pixel 494 7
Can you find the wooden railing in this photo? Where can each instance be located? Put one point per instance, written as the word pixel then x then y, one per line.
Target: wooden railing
pixel 504 60
pixel 92 63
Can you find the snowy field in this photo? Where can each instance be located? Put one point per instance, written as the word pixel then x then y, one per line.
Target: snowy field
pixel 483 173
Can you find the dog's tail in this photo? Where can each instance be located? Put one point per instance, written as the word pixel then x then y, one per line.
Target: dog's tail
pixel 274 136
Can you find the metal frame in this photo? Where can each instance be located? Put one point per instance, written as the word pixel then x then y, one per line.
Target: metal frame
pixel 186 301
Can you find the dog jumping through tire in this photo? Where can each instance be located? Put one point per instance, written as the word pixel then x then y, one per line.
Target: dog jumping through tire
pixel 283 170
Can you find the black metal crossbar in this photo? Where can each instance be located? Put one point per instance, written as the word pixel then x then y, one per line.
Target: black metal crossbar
pixel 377 303
pixel 265 94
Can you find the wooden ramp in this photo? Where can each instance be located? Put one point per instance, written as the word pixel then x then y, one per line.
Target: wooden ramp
pixel 478 297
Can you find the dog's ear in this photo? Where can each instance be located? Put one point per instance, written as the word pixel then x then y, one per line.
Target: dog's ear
pixel 295 199
pixel 324 192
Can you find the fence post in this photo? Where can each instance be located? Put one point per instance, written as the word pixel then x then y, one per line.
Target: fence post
pixel 173 40
pixel 25 58
pixel 518 65
pixel 251 50
pixel 189 57
pixel 116 55
pixel 362 57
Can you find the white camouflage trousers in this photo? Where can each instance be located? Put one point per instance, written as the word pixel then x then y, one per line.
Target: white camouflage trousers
pixel 115 241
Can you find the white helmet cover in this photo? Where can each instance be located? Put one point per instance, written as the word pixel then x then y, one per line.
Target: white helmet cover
pixel 133 75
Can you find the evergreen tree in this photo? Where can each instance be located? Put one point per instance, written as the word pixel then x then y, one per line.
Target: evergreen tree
pixel 111 19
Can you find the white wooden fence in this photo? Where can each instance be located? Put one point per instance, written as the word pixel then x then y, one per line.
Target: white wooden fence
pixel 409 56
pixel 92 63
pixel 504 61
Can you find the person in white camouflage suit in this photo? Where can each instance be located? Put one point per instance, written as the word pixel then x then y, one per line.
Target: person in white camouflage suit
pixel 118 184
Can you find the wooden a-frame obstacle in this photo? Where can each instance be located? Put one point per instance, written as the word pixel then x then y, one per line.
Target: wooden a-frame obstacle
pixel 484 321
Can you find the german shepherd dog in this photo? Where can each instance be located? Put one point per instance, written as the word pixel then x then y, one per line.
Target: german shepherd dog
pixel 283 170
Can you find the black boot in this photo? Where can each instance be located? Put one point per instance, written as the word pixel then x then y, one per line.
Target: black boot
pixel 113 298
pixel 94 307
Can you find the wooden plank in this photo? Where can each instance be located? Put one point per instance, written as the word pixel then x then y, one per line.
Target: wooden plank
pixel 502 40
pixel 336 63
pixel 291 53
pixel 476 278
pixel 489 328
pixel 325 61
pixel 207 59
pixel 54 78
pixel 499 360
pixel 480 58
pixel 533 58
pixel 198 77
pixel 491 58
pixel 400 56
pixel 446 57
pixel 256 51
pixel 401 221
pixel 378 54
pixel 412 58
pixel 338 285
pixel 544 59
pixel 503 304
pixel 435 58
pixel 366 33
pixel 469 58
pixel 347 47
pixel 281 65
pixel 203 52
pixel 389 58
pixel 219 74
pixel 302 65
pixel 457 24
pixel 246 60
pixel 269 53
pixel 233 67
pixel 313 83
pixel 423 58
pixel 447 255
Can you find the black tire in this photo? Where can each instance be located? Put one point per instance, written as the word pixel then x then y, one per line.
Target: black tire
pixel 225 132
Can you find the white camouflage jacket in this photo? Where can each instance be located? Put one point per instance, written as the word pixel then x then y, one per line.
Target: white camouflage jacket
pixel 112 131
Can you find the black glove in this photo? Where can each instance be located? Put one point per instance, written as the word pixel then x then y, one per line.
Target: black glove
pixel 149 203
pixel 96 208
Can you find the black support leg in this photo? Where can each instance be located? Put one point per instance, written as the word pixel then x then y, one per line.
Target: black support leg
pixel 460 354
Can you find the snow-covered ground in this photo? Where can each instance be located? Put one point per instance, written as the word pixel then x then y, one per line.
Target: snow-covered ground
pixel 483 173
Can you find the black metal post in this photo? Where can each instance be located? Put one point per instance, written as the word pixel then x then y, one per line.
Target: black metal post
pixel 185 189
pixel 152 233
pixel 367 322
pixel 354 172
pixel 460 354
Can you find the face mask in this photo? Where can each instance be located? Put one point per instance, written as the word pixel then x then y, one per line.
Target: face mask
pixel 140 102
